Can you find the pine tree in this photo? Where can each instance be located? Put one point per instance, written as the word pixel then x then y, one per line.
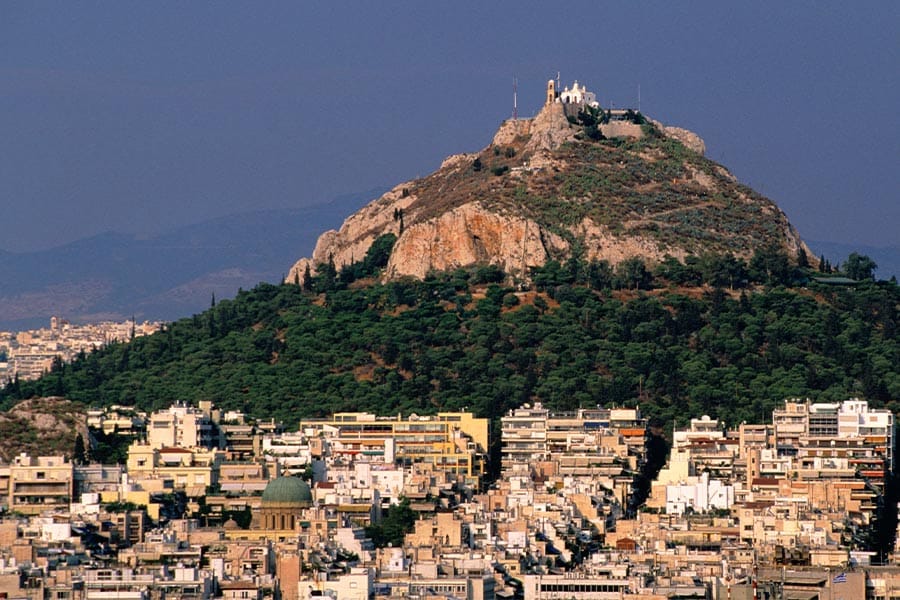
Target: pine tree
pixel 307 279
pixel 78 452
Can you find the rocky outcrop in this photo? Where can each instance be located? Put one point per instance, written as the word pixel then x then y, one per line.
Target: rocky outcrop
pixel 512 205
pixel 42 427
pixel 351 242
pixel 550 129
pixel 602 244
pixel 466 236
pixel 688 138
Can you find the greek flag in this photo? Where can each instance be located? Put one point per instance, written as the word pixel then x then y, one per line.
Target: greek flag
pixel 841 578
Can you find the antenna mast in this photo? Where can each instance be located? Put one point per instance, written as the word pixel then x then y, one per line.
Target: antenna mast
pixel 639 97
pixel 515 99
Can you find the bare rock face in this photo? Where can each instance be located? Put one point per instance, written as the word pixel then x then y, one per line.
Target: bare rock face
pixel 466 236
pixel 359 230
pixel 540 186
pixel 510 130
pixel 550 129
pixel 688 138
pixel 603 244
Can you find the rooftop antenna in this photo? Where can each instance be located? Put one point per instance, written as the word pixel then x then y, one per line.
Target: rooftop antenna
pixel 557 83
pixel 639 97
pixel 515 99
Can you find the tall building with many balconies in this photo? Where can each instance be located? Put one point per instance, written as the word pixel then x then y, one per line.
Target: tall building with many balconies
pixel 41 483
pixel 454 442
pixel 181 426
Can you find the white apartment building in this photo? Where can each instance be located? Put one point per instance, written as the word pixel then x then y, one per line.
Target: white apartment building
pixel 803 424
pixel 532 434
pixel 700 494
pixel 181 426
pixel 523 436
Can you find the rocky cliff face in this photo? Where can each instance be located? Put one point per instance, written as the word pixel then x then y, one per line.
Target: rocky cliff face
pixel 543 188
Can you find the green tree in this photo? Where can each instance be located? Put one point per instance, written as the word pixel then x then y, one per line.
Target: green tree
pixel 859 267
pixel 379 253
pixel 771 266
pixel 78 452
pixel 393 528
pixel 632 274
pixel 306 284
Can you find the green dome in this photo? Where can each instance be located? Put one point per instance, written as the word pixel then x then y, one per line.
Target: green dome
pixel 287 490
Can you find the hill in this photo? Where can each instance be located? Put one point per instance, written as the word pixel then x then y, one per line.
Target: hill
pixel 42 427
pixel 165 276
pixel 584 334
pixel 564 183
pixel 576 260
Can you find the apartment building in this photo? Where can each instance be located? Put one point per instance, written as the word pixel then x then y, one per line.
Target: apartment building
pixel 37 484
pixel 181 426
pixel 523 437
pixel 454 442
pixel 190 470
pixel 531 435
pixel 839 440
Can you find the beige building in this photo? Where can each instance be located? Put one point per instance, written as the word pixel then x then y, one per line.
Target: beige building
pixel 182 426
pixel 454 442
pixel 188 470
pixel 531 435
pixel 36 484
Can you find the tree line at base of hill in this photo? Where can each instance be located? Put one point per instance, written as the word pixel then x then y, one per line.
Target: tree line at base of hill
pixel 710 335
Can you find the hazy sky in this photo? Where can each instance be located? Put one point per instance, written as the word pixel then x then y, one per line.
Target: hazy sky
pixel 138 117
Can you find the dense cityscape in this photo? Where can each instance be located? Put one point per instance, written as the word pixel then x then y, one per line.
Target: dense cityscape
pixel 212 504
pixel 29 354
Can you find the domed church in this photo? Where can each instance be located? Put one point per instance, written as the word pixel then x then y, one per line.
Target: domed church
pixel 281 507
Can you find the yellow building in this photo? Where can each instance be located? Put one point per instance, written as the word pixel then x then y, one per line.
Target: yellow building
pixel 454 442
pixel 189 470
pixel 39 483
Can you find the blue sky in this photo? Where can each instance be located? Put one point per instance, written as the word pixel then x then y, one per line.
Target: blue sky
pixel 138 117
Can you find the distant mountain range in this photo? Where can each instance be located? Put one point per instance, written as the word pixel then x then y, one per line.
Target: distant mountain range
pixel 165 276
